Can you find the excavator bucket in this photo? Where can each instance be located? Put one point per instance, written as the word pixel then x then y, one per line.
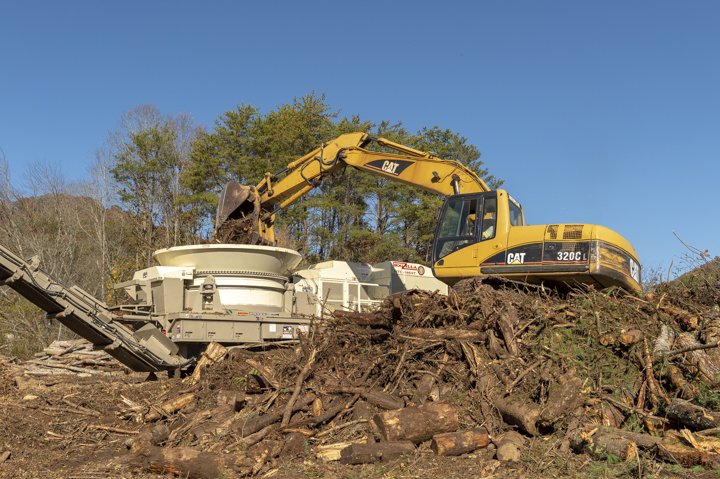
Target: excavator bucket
pixel 236 220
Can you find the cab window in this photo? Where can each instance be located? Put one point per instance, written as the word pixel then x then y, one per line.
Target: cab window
pixel 489 222
pixel 516 217
pixel 458 226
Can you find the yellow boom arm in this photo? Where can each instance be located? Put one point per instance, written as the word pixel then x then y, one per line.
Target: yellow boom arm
pixel 258 205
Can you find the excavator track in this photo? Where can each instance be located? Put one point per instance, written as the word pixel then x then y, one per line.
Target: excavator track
pixel 144 349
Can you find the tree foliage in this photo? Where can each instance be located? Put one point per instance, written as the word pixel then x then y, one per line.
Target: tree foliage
pixel 353 216
pixel 148 159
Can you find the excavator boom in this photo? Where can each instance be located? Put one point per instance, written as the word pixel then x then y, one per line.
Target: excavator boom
pixel 246 214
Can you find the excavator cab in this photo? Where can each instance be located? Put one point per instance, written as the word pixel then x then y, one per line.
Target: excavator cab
pixel 501 244
pixel 468 226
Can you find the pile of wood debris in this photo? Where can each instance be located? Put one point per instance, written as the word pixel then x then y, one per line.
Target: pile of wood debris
pixel 75 356
pixel 491 374
pixel 608 375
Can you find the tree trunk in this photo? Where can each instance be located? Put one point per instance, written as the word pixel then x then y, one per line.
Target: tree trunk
pixel 603 442
pixel 564 397
pixel 417 424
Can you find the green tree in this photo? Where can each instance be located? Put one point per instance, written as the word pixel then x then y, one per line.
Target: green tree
pixel 149 158
pixel 350 215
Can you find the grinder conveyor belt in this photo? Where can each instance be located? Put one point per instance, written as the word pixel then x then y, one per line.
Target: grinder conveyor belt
pixel 146 349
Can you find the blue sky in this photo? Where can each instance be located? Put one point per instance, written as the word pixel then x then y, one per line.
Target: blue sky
pixel 601 112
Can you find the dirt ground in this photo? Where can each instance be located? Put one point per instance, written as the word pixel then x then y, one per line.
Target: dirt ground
pixel 595 384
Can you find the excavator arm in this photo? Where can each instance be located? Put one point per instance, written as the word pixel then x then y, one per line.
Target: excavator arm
pixel 246 214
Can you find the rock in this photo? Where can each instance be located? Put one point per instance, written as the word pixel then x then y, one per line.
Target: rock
pixel 507 452
pixel 508 446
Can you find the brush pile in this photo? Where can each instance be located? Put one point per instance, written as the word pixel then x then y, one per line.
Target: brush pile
pixel 609 375
pixel 489 375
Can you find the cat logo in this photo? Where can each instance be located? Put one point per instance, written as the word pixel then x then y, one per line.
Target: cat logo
pixel 516 258
pixel 390 167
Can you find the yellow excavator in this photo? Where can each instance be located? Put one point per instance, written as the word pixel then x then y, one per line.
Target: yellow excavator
pixel 480 232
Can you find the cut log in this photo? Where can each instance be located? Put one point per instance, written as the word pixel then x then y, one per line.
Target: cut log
pixel 606 442
pixel 506 322
pixel 664 342
pixel 473 356
pixel 377 452
pixel 687 320
pixel 214 422
pixel 445 333
pixel 624 339
pixel 169 407
pixel 417 424
pixel 317 407
pixel 630 337
pixel 689 450
pixel 333 409
pixel 425 385
pixel 643 441
pixel 691 416
pixel 507 452
pixel 513 437
pixel 508 446
pixel 183 462
pixel 462 442
pixel 524 415
pixel 331 452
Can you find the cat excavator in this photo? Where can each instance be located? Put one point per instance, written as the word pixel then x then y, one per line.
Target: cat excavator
pixel 480 231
